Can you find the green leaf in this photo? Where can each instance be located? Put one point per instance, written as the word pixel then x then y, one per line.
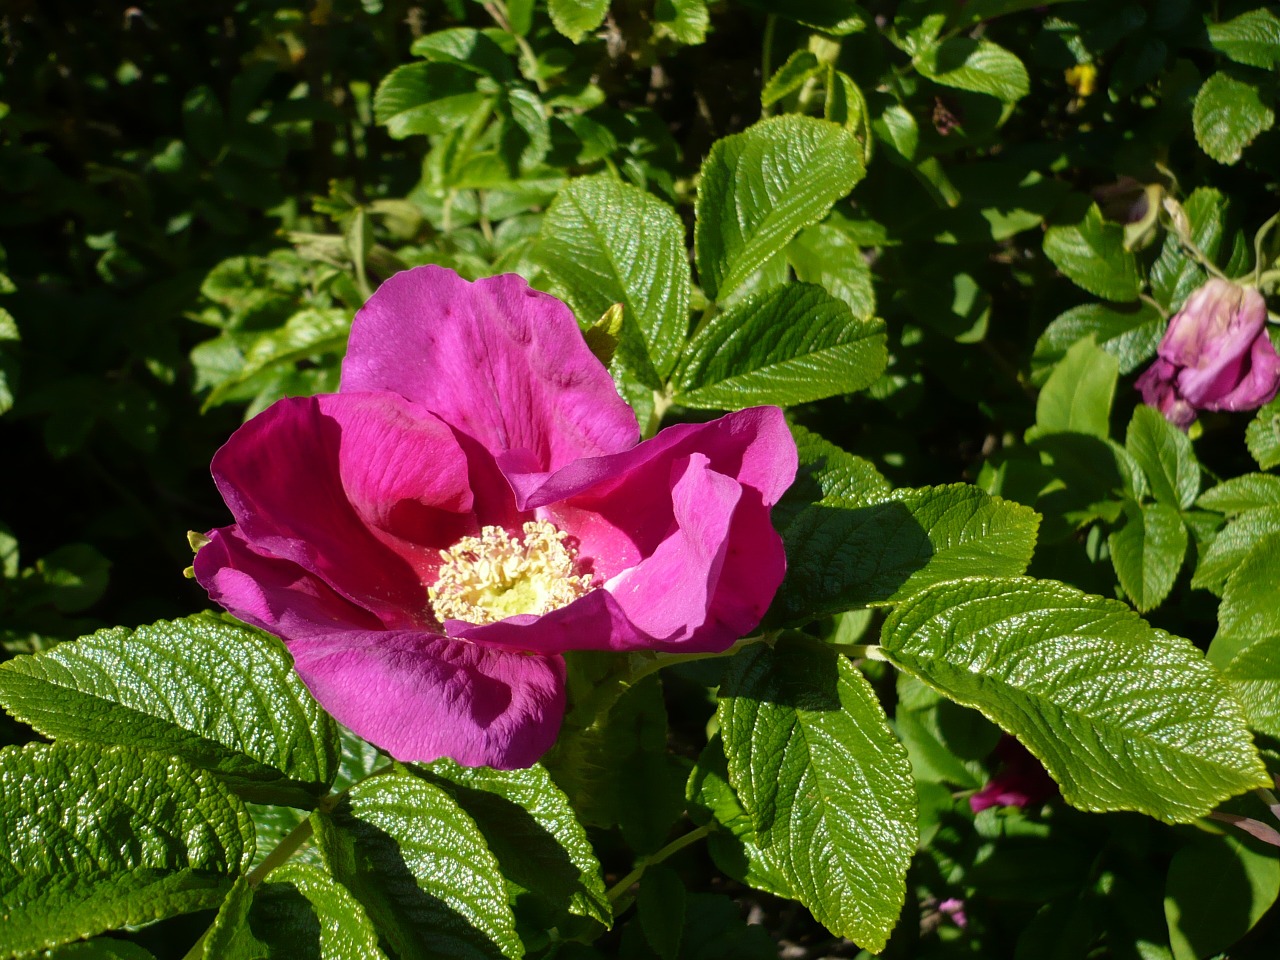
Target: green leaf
pixel 792 345
pixel 576 18
pixel 1130 333
pixel 1165 455
pixel 1077 396
pixel 1175 274
pixel 1147 553
pixel 300 913
pixel 103 948
pixel 685 20
pixel 825 782
pixel 1091 254
pixel 468 48
pixel 1123 716
pixel 421 868
pixel 1263 436
pixel 308 333
pixel 831 258
pixel 1232 545
pixel 1247 492
pixel 976 65
pixel 1253 38
pixel 1217 889
pixel 221 696
pixel 426 98
pixel 826 471
pixel 735 849
pixel 1254 676
pixel 608 242
pixel 843 555
pixel 534 833
pixel 93 839
pixel 1228 114
pixel 790 77
pixel 660 908
pixel 759 188
pixel 1249 611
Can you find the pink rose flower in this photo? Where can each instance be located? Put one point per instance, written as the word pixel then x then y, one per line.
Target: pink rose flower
pixel 474 502
pixel 1021 782
pixel 1215 355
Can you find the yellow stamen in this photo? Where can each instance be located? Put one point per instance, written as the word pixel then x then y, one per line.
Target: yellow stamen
pixel 495 575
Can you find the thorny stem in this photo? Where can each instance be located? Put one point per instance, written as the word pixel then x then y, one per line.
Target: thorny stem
pixel 672 848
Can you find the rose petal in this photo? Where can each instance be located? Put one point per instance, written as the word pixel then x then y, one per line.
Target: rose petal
pixel 497 360
pixel 362 490
pixel 1259 381
pixel 276 595
pixel 421 697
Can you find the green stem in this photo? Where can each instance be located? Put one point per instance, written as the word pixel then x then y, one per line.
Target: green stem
pixel 1259 241
pixel 868 651
pixel 661 404
pixel 672 848
pixel 766 56
pixel 285 849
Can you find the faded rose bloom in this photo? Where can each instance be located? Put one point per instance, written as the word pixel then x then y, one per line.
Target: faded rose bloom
pixel 1021 782
pixel 473 502
pixel 1215 355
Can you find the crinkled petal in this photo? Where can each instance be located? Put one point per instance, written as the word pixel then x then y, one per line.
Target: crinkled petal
pixel 276 595
pixel 1158 386
pixel 362 490
pixel 618 507
pixel 421 697
pixel 497 360
pixel 592 622
pixel 1259 380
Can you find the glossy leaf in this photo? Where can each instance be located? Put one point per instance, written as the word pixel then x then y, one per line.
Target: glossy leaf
pixel 1246 492
pixel 1232 545
pixel 421 868
pixel 842 555
pixel 576 18
pixel 1253 38
pixel 1165 455
pixel 826 784
pixel 93 838
pixel 792 345
pixel 1123 716
pixel 1249 611
pixel 607 242
pixel 976 65
pixel 1091 254
pixel 759 188
pixel 1263 436
pixel 1228 115
pixel 220 695
pixel 1254 676
pixel 1130 333
pixel 426 98
pixel 1077 396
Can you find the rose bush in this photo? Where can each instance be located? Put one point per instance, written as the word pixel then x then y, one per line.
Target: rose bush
pixel 474 502
pixel 1215 355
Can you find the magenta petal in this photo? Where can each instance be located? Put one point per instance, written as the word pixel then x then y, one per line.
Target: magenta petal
pixel 276 595
pixel 1159 389
pixel 1259 381
pixel 421 697
pixel 362 490
pixel 499 361
pixel 593 622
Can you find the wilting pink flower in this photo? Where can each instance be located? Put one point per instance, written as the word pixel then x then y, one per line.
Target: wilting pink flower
pixel 473 502
pixel 1215 355
pixel 1021 782
pixel 954 908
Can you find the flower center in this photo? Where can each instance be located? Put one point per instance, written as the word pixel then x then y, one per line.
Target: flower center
pixel 495 575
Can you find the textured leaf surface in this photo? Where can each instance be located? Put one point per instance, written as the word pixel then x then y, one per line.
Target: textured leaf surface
pixel 421 868
pixel 792 345
pixel 1124 716
pixel 842 555
pixel 1232 545
pixel 1247 492
pixel 976 65
pixel 1254 675
pixel 608 242
pixel 1249 611
pixel 222 696
pixel 300 913
pixel 826 784
pixel 1176 274
pixel 93 839
pixel 426 98
pixel 576 18
pixel 1091 254
pixel 1147 553
pixel 1130 333
pixel 1228 114
pixel 761 187
pixel 1165 455
pixel 831 258
pixel 534 833
pixel 1263 436
pixel 1253 38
